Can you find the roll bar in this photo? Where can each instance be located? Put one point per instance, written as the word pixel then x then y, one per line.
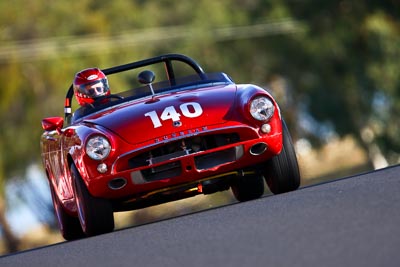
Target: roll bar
pixel 167 59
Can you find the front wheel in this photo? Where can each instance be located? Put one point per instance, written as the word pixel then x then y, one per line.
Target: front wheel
pixel 248 187
pixel 69 226
pixel 95 214
pixel 282 171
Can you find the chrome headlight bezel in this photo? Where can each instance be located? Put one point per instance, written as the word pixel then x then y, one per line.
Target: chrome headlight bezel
pixel 261 108
pixel 98 147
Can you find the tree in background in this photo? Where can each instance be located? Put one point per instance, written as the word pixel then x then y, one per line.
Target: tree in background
pixel 349 72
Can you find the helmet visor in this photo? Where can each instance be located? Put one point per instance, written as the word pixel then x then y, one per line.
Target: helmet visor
pixel 94 89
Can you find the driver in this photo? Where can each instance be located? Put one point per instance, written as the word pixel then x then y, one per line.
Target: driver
pixel 90 88
pixel 89 85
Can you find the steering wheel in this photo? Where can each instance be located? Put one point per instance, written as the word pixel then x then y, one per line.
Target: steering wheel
pixel 100 100
pixel 110 96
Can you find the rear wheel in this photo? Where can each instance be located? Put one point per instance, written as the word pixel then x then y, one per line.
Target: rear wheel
pixel 248 187
pixel 282 173
pixel 95 214
pixel 69 226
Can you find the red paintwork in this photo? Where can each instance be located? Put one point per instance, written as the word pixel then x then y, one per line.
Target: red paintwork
pixel 225 110
pixel 127 120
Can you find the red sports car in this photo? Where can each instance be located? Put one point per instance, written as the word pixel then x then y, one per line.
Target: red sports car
pixel 188 133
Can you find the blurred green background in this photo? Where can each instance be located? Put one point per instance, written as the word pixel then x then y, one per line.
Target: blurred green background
pixel 332 65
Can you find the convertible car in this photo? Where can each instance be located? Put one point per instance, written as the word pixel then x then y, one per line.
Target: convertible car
pixel 163 139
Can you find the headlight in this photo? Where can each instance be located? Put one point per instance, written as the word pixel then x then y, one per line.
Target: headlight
pixel 98 147
pixel 261 108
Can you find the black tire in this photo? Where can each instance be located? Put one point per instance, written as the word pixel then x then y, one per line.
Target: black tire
pixel 69 226
pixel 282 173
pixel 248 187
pixel 95 214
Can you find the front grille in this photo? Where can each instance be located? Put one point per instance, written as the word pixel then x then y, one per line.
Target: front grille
pixel 217 158
pixel 160 161
pixel 182 147
pixel 162 172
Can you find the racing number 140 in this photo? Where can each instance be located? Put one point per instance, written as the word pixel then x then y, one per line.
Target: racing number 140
pixel 189 110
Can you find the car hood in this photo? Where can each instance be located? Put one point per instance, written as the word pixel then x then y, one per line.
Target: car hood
pixel 168 116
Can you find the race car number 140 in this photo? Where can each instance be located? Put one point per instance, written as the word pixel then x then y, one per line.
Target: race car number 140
pixel 189 110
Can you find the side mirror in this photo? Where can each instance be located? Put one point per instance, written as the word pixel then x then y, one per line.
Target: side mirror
pixel 52 123
pixel 146 77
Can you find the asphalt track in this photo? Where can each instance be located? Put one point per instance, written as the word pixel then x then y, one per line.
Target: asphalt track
pixel 353 221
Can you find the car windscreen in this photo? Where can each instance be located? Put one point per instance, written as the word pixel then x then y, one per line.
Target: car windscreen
pixel 180 84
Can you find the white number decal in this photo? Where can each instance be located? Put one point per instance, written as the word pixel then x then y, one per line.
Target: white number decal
pixel 170 113
pixel 197 110
pixel 189 110
pixel 154 118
